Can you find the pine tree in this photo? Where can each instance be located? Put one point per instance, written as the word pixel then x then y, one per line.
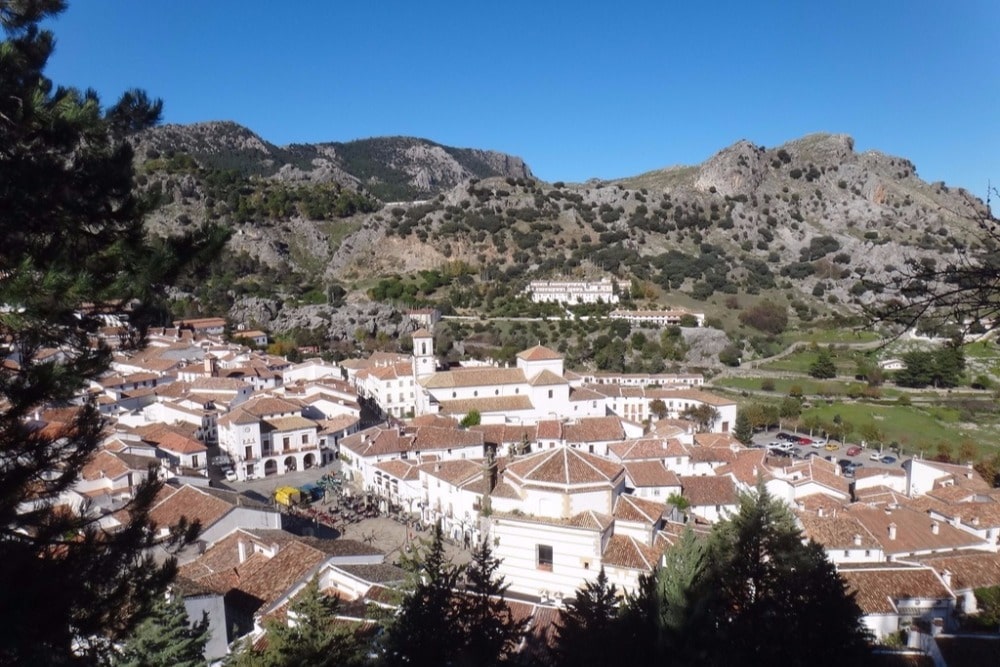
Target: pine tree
pixel 427 629
pixel 823 367
pixel 72 234
pixel 588 632
pixel 166 638
pixel 490 631
pixel 767 598
pixel 312 638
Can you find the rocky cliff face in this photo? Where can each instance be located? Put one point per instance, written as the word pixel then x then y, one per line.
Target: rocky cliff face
pixel 811 221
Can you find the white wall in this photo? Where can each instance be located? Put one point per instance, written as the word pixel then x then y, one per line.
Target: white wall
pixel 573 549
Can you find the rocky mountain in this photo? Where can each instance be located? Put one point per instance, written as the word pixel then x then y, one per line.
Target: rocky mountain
pixel 811 224
pixel 391 168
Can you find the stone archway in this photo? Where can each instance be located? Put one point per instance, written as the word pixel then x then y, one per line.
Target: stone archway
pixel 270 467
pixel 290 464
pixel 309 461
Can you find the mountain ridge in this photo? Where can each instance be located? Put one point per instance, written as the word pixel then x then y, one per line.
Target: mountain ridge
pixel 811 222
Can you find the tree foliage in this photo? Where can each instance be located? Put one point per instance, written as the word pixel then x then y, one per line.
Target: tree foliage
pixel 766 316
pixel 767 598
pixel 962 289
pixel 427 629
pixel 490 630
pixel 704 415
pixel 72 235
pixel 587 629
pixel 743 429
pixel 310 636
pixel 166 638
pixel 823 367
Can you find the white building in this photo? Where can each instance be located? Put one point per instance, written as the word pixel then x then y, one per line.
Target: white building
pixel 572 292
pixel 659 318
pixel 269 436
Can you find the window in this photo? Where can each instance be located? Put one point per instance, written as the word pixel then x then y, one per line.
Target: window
pixel 286 442
pixel 249 452
pixel 544 553
pixel 305 438
pixel 550 393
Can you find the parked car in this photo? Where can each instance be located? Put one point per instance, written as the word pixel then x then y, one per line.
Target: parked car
pixel 231 475
pixel 853 450
pixel 805 441
pixel 831 447
pixel 875 456
pixel 888 459
pixel 818 443
pixel 786 436
pixel 797 452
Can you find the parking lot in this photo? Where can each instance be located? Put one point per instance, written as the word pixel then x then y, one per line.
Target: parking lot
pixel 800 446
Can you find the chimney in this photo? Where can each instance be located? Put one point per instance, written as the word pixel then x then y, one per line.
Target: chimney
pixel 892 531
pixel 935 528
pixel 968 472
pixel 975 521
pixel 242 547
pixel 857 539
pixel 946 577
pixel 821 512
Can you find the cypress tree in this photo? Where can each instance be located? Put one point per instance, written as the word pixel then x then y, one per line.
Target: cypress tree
pixel 490 631
pixel 588 632
pixel 427 629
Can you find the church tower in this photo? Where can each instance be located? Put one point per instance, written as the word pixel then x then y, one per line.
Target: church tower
pixel 423 354
pixel 424 366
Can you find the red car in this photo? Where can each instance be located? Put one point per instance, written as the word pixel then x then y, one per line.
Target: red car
pixel 805 441
pixel 853 451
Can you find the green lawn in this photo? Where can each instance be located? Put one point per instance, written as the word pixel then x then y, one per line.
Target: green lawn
pixel 801 360
pixel 782 386
pixel 915 428
pixel 827 336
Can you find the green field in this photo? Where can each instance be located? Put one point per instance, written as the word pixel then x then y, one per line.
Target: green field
pixel 914 428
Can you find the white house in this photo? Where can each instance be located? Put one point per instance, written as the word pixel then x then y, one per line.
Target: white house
pixel 268 436
pixel 893 597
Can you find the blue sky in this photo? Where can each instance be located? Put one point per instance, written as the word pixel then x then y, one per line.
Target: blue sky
pixel 578 90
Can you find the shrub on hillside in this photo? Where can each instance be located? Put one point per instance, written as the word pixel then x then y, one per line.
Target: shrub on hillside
pixel 766 316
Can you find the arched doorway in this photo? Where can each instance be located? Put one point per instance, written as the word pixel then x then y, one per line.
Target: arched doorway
pixel 308 462
pixel 270 467
pixel 290 464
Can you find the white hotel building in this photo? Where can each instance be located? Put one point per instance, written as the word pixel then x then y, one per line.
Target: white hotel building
pixel 551 291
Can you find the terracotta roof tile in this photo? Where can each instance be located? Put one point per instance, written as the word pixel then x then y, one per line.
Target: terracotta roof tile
pixel 638 510
pixel 876 589
pixel 190 503
pixel 650 474
pixel 539 353
pixel 475 377
pixel 594 429
pixel 564 466
pixel 837 532
pixel 651 449
pixel 487 404
pixel 914 530
pixel 624 551
pixel 709 490
pixel 104 464
pixel 969 569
